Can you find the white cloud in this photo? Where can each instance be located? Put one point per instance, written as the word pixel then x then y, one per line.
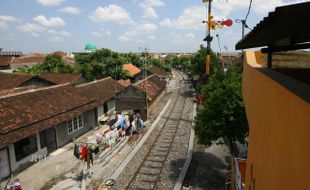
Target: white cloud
pixel 101 33
pixel 261 7
pixel 123 38
pixel 57 39
pixel 183 39
pixel 111 13
pixel 50 3
pixel 71 10
pixel 51 22
pixel 191 18
pixel 33 29
pixel 139 29
pixel 60 33
pixel 142 29
pixel 59 36
pixel 4 20
pixel 148 8
pixel 3 24
pixel 151 37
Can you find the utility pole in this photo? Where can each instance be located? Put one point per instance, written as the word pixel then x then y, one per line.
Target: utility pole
pixel 208 38
pixel 243 25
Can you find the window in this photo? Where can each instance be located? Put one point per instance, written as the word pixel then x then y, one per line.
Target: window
pixel 25 147
pixel 75 124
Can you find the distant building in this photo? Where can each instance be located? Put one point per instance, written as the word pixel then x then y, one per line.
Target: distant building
pixel 158 71
pixel 134 72
pixel 90 47
pixel 29 61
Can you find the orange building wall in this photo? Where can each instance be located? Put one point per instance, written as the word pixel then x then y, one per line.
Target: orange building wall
pixel 279 138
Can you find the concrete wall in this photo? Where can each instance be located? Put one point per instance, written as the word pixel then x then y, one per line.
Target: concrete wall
pixel 111 105
pixel 279 153
pixel 15 165
pixel 62 135
pixel 132 99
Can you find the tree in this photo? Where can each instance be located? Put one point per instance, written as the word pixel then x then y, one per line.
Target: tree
pixel 199 61
pixel 102 63
pixel 135 59
pixel 52 63
pixel 222 118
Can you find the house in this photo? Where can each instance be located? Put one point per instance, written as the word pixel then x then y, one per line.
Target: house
pixel 61 78
pixel 134 72
pixel 276 94
pixel 5 62
pixel 230 58
pixel 133 99
pixel 38 121
pixel 124 82
pixel 28 61
pixel 103 91
pixel 154 87
pixel 12 81
pixel 158 71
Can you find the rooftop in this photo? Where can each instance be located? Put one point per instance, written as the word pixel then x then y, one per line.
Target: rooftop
pixel 152 85
pixel 156 70
pixel 132 70
pixel 39 109
pixel 292 27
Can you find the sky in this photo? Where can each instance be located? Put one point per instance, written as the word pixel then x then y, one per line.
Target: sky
pixel 123 25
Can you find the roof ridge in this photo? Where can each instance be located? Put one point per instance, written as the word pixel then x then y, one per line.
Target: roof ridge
pixel 95 81
pixel 153 75
pixel 33 90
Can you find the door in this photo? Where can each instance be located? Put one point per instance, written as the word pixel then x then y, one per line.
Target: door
pixel 48 139
pixel 4 164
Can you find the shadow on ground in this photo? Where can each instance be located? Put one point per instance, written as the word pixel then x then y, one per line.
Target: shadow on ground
pixel 206 171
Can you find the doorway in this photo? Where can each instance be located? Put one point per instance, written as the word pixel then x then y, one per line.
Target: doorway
pixel 48 139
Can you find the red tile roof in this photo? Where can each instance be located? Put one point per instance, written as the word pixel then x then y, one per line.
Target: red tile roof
pixel 5 61
pixel 10 92
pixel 124 82
pixel 61 53
pixel 27 113
pixel 153 86
pixel 100 90
pixel 10 81
pixel 61 78
pixel 160 72
pixel 32 59
pixel 132 70
pixel 26 61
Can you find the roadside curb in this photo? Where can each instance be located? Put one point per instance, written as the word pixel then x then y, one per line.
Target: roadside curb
pixel 179 182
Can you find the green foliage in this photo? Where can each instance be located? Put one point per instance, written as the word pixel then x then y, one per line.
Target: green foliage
pixel 135 59
pixel 222 118
pixel 199 61
pixel 183 62
pixel 100 64
pixel 52 63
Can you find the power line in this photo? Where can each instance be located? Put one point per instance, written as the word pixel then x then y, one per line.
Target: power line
pixel 246 17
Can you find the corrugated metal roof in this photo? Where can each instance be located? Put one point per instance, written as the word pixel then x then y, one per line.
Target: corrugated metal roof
pixel 287 25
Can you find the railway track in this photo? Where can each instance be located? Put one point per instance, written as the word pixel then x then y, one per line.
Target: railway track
pixel 147 175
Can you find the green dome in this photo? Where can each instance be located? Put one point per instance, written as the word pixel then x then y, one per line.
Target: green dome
pixel 90 46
